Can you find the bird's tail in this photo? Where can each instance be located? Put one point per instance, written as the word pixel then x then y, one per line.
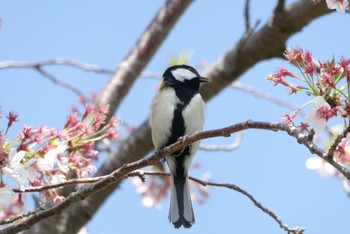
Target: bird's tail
pixel 181 211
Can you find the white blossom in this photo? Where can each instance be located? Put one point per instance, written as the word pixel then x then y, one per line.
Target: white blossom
pixel 6 196
pixel 339 5
pixel 50 160
pixel 21 173
pixel 313 118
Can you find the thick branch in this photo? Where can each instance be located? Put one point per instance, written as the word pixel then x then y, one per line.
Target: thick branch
pixel 118 174
pixel 130 68
pixel 268 42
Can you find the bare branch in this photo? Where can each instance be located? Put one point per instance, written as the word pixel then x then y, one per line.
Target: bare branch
pixel 69 62
pixel 120 173
pixel 296 230
pixel 234 145
pixel 264 95
pixel 59 82
pixel 58 61
pixel 58 185
pixel 246 15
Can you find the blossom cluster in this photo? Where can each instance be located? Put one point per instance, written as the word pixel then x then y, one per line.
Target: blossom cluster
pixel 38 157
pixel 155 189
pixel 328 83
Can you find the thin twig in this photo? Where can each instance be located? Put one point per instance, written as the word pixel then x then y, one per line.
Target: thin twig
pixel 296 230
pixel 246 15
pixel 59 82
pixel 58 61
pixel 58 185
pixel 264 95
pixel 234 145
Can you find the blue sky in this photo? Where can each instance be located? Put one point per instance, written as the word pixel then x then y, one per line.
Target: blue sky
pixel 271 166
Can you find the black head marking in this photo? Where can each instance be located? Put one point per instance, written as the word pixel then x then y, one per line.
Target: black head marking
pixel 183 76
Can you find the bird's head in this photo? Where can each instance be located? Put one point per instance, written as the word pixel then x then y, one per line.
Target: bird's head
pixel 182 76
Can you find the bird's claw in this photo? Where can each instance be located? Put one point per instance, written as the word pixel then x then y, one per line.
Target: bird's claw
pixel 158 156
pixel 182 140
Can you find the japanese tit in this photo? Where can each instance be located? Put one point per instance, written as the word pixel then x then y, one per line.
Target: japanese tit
pixel 177 111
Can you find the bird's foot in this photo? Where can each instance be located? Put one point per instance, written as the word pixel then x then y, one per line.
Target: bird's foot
pixel 158 156
pixel 182 140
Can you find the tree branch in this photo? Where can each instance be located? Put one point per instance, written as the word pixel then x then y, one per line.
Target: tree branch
pixel 59 82
pixel 120 173
pixel 296 230
pixel 130 68
pixel 234 145
pixel 58 61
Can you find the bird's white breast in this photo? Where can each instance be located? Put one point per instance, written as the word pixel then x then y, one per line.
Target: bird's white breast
pixel 163 107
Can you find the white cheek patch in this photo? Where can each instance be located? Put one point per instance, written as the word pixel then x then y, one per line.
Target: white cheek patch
pixel 182 74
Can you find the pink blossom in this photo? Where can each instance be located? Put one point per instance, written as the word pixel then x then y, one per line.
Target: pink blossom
pixel 310 68
pixel 304 127
pixel 276 79
pixel 284 72
pixel 345 64
pixel 342 153
pixel 333 70
pixel 26 133
pixel 71 121
pixel 288 119
pixel 307 56
pixel 320 114
pixel 293 88
pixel 293 55
pixel 326 79
pixel 12 117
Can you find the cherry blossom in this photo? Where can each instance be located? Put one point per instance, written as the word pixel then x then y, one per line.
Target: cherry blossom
pixel 324 168
pixel 320 114
pixel 19 170
pixel 339 5
pixel 50 159
pixel 6 195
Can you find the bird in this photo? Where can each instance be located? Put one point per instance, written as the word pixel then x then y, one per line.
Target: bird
pixel 177 111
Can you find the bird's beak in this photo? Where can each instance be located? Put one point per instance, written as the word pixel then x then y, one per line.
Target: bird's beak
pixel 203 80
